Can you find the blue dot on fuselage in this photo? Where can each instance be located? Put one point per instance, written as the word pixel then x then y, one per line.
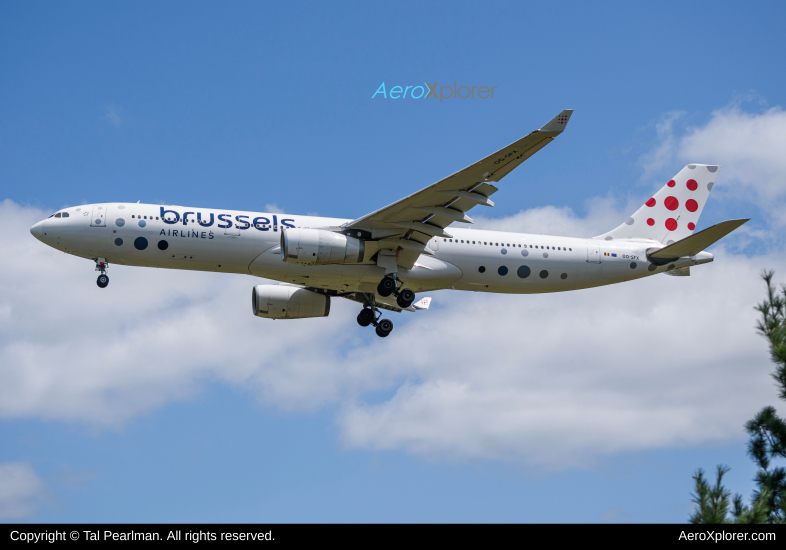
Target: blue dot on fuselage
pixel 502 270
pixel 140 243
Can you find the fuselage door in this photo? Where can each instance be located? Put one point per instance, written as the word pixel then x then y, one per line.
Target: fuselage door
pixel 593 253
pixel 99 216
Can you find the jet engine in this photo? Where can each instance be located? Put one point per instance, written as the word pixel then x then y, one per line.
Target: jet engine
pixel 320 247
pixel 288 302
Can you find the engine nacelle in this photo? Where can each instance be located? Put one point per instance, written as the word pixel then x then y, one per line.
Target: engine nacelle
pixel 288 302
pixel 320 247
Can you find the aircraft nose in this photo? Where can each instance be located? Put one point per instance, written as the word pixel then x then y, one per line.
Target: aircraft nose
pixel 37 230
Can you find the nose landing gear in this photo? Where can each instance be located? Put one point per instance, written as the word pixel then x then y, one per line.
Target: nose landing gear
pixel 390 285
pixel 102 266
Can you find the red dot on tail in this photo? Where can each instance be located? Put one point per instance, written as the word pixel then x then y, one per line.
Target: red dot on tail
pixel 650 221
pixel 671 183
pixel 691 226
pixel 671 203
pixel 651 202
pixel 671 224
pixel 692 185
pixel 691 205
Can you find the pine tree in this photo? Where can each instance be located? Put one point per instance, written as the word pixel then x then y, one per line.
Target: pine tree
pixel 767 430
pixel 767 439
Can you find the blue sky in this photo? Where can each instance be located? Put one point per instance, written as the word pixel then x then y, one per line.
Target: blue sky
pixel 243 105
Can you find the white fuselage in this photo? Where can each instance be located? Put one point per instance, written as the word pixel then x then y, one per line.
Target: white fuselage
pixel 202 239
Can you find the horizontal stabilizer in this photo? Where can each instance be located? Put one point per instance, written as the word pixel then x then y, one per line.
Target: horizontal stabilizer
pixel 690 246
pixel 386 302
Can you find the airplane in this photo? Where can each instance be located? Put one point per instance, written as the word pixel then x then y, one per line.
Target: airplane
pixel 414 245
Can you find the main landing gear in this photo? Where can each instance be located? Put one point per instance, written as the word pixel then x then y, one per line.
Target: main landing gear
pixel 102 266
pixel 370 315
pixel 389 285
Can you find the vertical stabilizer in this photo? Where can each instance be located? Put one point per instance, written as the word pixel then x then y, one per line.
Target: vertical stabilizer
pixel 673 212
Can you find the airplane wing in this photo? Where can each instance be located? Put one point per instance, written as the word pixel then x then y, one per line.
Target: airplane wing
pixel 427 213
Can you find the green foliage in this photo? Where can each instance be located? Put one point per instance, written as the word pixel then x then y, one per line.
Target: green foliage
pixel 767 439
pixel 712 502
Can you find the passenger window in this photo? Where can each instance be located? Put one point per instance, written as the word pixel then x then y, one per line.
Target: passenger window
pixel 57 215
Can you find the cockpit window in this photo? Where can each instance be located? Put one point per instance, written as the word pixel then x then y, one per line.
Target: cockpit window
pixel 57 215
pixel 65 214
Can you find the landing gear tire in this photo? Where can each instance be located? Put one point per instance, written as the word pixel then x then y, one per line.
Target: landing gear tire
pixel 384 327
pixel 386 287
pixel 365 317
pixel 102 281
pixel 405 298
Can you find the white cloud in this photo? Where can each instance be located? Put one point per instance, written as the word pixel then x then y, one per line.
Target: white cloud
pixel 663 153
pixel 614 515
pixel 555 380
pixel 113 116
pixel 558 380
pixel 273 209
pixel 748 145
pixel 21 490
pixel 603 214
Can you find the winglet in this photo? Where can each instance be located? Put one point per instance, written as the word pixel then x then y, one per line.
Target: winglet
pixel 422 304
pixel 558 123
